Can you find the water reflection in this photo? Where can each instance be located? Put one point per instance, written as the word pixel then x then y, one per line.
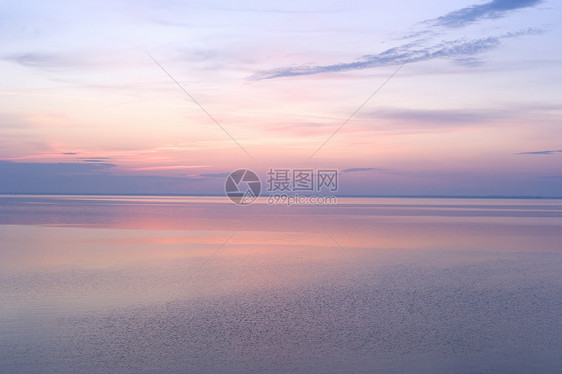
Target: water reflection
pixel 417 285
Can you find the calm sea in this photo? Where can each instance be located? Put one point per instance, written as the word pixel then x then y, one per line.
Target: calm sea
pixel 113 284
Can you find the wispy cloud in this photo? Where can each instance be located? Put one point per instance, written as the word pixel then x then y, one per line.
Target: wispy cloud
pixel 72 59
pixel 214 175
pixel 355 170
pixel 539 152
pixel 43 60
pixel 406 53
pixel 95 160
pixel 461 51
pixel 438 117
pixel 170 167
pixel 58 168
pixel 474 13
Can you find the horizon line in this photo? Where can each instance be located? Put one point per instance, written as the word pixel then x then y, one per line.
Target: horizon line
pixel 521 197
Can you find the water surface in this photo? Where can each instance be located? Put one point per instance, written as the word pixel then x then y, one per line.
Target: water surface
pixel 101 284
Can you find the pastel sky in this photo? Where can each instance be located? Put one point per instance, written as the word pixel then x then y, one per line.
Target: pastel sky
pixel 473 106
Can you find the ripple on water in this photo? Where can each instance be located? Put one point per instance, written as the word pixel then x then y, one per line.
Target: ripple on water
pixel 408 318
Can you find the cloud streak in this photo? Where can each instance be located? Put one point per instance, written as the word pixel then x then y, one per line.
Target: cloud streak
pixel 43 60
pixel 491 10
pixel 540 152
pixel 438 117
pixel 462 51
pixel 355 170
pixel 406 53
pixel 60 168
pixel 214 175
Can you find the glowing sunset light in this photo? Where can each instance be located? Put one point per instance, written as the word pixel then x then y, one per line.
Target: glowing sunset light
pixel 470 88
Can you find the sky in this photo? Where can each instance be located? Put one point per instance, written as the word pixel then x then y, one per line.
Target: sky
pixel 402 98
